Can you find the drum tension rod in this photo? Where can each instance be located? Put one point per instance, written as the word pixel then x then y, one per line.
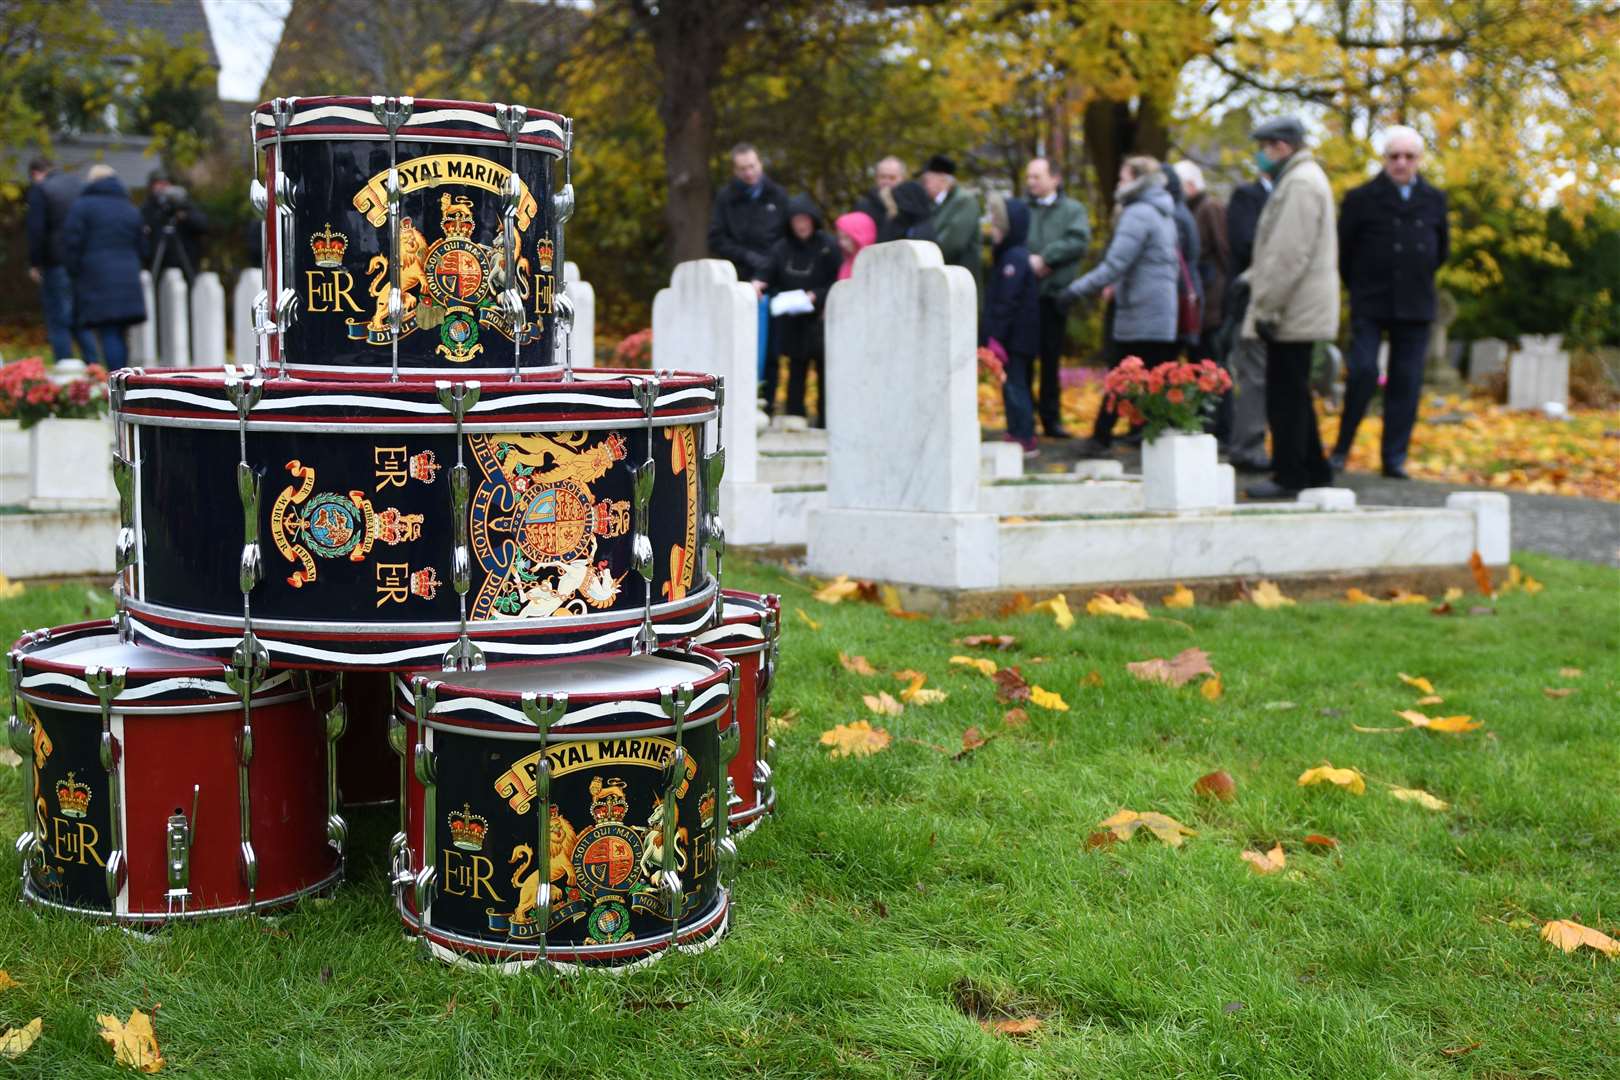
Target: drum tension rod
pixel 641 483
pixel 676 701
pixel 714 531
pixel 336 721
pixel 426 768
pixel 392 112
pixel 562 208
pixel 458 398
pixel 511 118
pixel 30 842
pixel 763 743
pixel 124 481
pixel 725 847
pixel 543 711
pixel 286 307
pixel 107 684
pixel 250 661
pixel 399 852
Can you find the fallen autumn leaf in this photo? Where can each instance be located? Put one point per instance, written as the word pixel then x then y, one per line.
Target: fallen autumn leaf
pixel 1218 784
pixel 1268 596
pixel 1184 667
pixel 14 1042
pixel 1349 779
pixel 858 739
pixel 1130 608
pixel 1419 796
pixel 857 665
pixel 133 1041
pixel 1266 862
pixel 883 703
pixel 1570 936
pixel 1182 597
pixel 1059 607
pixel 1125 824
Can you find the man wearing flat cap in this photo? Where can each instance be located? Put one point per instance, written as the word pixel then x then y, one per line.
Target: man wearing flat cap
pixel 1293 302
pixel 956 216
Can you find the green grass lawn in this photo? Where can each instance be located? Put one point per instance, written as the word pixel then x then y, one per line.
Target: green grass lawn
pixel 898 899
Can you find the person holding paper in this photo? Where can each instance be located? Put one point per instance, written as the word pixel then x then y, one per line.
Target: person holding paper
pixel 803 266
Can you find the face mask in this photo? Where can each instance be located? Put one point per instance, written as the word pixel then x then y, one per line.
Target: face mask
pixel 1264 163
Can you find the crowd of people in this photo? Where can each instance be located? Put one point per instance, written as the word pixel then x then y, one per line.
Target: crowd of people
pixel 87 246
pixel 1253 283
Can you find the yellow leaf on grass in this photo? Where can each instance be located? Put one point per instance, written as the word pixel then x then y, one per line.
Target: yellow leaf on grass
pixel 1356 596
pixel 1558 692
pixel 1450 724
pixel 1211 689
pixel 133 1041
pixel 883 703
pixel 1268 596
pixel 1431 699
pixel 1125 824
pixel 14 1042
pixel 982 664
pixel 1419 796
pixel 1047 699
pixel 907 675
pixel 807 620
pixel 6 981
pixel 1027 1025
pixel 1059 607
pixel 10 590
pixel 1266 862
pixel 1182 597
pixel 914 694
pixel 1452 595
pixel 1403 597
pixel 1570 936
pixel 837 590
pixel 856 665
pixel 858 739
pixel 1570 673
pixel 1093 679
pixel 1349 779
pixel 1129 608
pixel 1417 683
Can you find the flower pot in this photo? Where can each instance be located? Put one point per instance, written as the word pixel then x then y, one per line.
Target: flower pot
pixel 1180 471
pixel 71 465
pixel 14 457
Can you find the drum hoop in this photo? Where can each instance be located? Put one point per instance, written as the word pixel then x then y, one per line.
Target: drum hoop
pixel 417 428
pixel 427 377
pixel 160 709
pixel 447 689
pixel 485 627
pixel 540 144
pixel 698 720
pixel 30 895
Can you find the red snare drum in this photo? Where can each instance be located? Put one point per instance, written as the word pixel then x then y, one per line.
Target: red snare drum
pixel 750 634
pixel 153 795
pixel 368 771
pixel 552 813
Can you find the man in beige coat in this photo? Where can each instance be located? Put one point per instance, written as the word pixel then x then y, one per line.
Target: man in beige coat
pixel 1293 302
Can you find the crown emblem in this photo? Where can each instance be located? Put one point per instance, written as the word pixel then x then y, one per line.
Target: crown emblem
pixel 608 801
pixel 425 583
pixel 424 466
pixel 328 247
pixel 706 808
pixel 610 518
pixel 394 527
pixel 73 797
pixel 545 255
pixel 456 216
pixel 467 829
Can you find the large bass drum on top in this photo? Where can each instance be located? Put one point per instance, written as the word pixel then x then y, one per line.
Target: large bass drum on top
pixel 568 813
pixel 578 526
pixel 336 258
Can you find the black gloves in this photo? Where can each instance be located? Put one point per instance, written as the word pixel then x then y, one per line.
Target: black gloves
pixel 1267 329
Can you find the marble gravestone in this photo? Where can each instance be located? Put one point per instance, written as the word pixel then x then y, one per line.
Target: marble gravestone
pixel 1486 357
pixel 581 340
pixel 903 440
pixel 1538 374
pixel 143 340
pixel 174 321
pixel 244 343
pixel 708 321
pixel 207 321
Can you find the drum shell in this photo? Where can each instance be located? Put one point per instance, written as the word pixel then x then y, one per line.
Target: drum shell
pixel 452 249
pixel 383 597
pixel 746 634
pixel 480 885
pixel 367 767
pixel 161 752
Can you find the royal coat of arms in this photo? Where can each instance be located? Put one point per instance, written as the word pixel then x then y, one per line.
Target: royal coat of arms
pixel 536 524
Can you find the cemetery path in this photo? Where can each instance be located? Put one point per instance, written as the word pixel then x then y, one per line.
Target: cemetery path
pixel 1562 525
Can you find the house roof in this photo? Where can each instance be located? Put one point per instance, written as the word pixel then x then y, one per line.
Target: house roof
pixel 176 20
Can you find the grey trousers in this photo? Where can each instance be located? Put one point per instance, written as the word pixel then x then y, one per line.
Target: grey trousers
pixel 1247 362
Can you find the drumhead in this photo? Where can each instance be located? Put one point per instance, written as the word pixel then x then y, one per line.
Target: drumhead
pixel 106 650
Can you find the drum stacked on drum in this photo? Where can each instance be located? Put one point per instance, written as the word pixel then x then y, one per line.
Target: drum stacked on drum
pixel 403 554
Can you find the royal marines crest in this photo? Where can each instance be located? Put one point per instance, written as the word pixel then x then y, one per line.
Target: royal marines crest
pixel 536 524
pixel 307 525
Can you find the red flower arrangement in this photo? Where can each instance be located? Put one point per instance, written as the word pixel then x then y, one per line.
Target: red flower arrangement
pixel 27 393
pixel 634 351
pixel 1176 395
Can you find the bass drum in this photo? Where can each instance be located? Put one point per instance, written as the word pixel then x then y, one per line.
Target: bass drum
pixel 333 265
pixel 142 805
pixel 358 525
pixel 570 813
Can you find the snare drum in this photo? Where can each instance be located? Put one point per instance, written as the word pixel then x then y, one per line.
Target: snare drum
pixel 153 795
pixel 339 248
pixel 558 518
pixel 750 634
pixel 555 812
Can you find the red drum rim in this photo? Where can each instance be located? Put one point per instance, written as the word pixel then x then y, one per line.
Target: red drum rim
pixel 346 117
pixel 474 708
pixel 703 933
pixel 604 398
pixel 172 681
pixel 743 619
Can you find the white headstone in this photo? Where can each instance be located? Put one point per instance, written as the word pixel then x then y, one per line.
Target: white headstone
pixel 1538 374
pixel 244 345
pixel 582 340
pixel 708 321
pixel 207 321
pixel 1486 357
pixel 174 322
pixel 902 374
pixel 143 347
pixel 1493 523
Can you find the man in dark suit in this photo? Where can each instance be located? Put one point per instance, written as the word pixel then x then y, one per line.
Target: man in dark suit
pixel 1246 442
pixel 1392 238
